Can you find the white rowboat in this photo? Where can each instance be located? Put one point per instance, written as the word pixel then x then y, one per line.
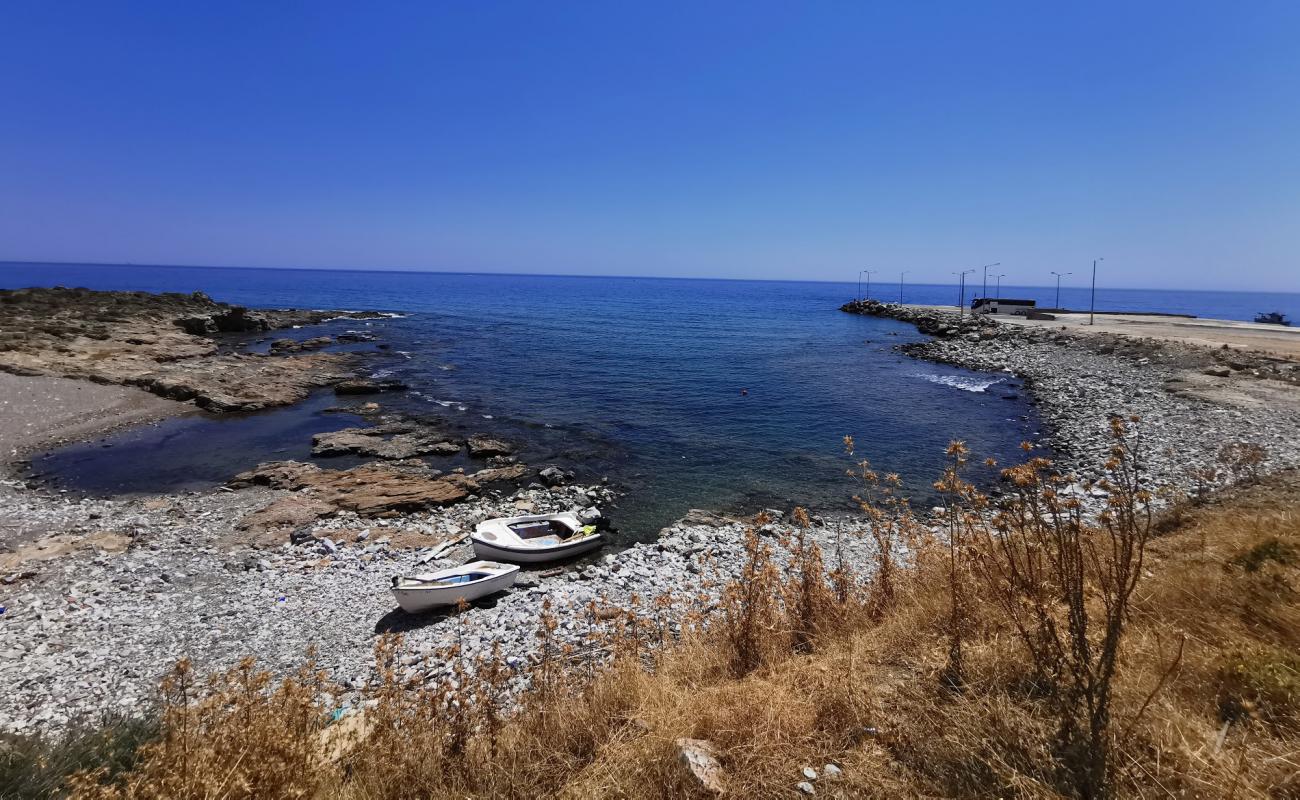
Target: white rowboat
pixel 536 538
pixel 447 587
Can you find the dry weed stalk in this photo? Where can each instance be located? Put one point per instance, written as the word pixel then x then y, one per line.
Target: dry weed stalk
pixel 749 604
pixel 1066 586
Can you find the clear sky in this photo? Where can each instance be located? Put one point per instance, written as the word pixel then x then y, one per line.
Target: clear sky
pixel 746 139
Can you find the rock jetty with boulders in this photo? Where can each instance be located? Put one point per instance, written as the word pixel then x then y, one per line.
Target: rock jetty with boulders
pixel 1079 381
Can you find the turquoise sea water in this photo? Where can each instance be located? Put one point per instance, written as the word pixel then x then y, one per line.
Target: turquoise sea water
pixel 638 380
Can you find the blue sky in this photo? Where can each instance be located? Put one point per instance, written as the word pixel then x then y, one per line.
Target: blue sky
pixel 754 139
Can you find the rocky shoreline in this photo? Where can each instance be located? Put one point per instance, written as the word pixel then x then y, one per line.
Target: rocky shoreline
pixel 1192 400
pixel 101 596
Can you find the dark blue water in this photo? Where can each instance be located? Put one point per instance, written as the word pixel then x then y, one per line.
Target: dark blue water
pixel 636 379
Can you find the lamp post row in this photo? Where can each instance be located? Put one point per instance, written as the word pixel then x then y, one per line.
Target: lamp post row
pixel 961 298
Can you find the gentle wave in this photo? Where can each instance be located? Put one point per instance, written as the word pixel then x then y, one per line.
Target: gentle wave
pixel 964 383
pixel 456 404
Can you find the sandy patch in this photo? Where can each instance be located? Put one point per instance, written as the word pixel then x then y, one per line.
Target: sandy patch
pixel 41 411
pixel 62 544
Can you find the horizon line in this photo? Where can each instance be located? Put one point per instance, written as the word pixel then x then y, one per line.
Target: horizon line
pixel 421 271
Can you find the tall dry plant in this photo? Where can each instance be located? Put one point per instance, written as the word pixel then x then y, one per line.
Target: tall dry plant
pixel 962 505
pixel 750 611
pixel 1065 584
pixel 810 603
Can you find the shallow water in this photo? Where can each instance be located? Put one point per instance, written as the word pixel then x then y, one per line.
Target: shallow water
pixel 716 394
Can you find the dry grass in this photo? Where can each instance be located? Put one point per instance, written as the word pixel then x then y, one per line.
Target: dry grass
pixel 800 671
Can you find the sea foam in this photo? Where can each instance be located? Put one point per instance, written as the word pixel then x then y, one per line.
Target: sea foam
pixel 966 384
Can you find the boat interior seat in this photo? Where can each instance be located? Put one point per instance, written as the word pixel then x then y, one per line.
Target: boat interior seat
pixel 534 530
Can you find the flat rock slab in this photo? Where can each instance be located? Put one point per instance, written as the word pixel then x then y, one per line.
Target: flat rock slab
pixel 373 442
pixel 513 472
pixel 368 490
pixel 238 382
pixel 295 346
pixel 481 446
pixel 287 512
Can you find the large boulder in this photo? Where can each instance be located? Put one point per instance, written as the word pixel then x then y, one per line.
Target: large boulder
pixel 554 476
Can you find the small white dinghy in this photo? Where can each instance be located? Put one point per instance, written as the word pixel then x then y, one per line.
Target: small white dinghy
pixel 447 587
pixel 534 539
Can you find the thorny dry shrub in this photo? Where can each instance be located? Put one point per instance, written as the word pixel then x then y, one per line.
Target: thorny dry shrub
pixel 1065 586
pixel 1182 647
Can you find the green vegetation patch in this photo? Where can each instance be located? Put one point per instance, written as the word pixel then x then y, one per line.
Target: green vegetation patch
pixel 35 767
pixel 1274 550
pixel 1261 683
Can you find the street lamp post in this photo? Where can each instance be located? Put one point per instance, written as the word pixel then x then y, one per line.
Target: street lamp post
pixel 961 297
pixel 860 283
pixel 900 285
pixel 999 289
pixel 869 272
pixel 1092 305
pixel 1059 275
pixel 986 275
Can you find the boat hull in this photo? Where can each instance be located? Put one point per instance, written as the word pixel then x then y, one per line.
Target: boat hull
pixel 415 599
pixel 497 551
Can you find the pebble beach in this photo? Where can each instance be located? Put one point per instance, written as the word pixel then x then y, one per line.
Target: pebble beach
pixel 101 596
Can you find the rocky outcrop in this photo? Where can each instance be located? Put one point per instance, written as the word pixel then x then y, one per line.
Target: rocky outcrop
pixel 481 446
pixel 281 346
pixel 163 343
pixel 243 382
pixel 367 490
pixel 388 442
pixel 512 472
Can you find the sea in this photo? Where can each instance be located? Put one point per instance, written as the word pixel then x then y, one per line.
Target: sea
pixel 682 393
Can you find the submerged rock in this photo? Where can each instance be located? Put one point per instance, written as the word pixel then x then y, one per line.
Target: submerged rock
pixel 368 386
pixel 376 442
pixel 481 446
